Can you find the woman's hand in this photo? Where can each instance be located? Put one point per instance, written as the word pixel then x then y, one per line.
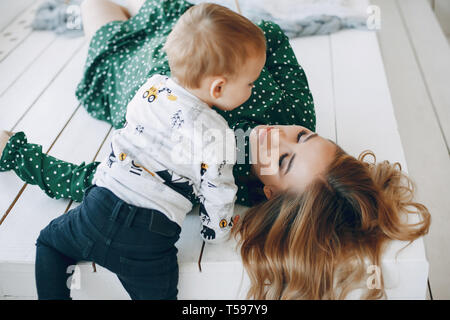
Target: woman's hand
pixel 4 137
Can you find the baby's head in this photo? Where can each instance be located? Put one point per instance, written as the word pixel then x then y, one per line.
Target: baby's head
pixel 216 54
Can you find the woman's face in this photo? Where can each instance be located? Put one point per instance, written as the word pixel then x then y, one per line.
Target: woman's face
pixel 288 157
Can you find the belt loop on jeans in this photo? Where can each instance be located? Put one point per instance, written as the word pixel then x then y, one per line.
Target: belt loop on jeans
pixel 115 211
pixel 130 216
pixel 86 191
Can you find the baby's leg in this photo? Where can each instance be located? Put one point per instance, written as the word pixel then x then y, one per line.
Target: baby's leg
pixel 96 13
pixel 51 272
pixel 59 247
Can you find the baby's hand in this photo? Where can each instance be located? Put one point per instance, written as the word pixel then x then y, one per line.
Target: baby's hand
pixel 4 137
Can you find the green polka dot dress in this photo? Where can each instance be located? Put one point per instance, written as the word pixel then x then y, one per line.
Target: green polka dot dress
pixel 122 56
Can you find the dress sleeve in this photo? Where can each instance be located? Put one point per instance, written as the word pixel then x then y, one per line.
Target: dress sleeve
pixel 289 77
pixel 57 178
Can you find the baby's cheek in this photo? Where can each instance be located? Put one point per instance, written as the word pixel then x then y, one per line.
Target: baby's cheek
pixel 248 95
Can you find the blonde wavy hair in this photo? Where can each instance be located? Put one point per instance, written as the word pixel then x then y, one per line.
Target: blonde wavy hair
pixel 316 245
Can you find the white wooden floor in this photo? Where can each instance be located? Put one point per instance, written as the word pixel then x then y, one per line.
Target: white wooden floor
pixel 39 73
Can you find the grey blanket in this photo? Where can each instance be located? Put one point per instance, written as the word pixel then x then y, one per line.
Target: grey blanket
pixel 64 17
pixel 61 16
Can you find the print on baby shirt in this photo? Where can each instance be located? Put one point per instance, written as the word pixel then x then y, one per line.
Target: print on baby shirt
pixel 207 229
pixel 153 93
pixel 112 157
pixel 180 184
pixel 177 119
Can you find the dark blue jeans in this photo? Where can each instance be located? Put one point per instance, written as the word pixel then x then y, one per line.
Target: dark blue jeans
pixel 137 244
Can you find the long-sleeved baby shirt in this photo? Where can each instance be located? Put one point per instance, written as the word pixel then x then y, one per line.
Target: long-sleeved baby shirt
pixel 173 150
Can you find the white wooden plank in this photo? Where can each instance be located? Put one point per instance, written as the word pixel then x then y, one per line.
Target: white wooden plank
pixel 81 139
pixel 56 105
pixel 17 30
pixel 21 228
pixel 364 114
pixel 365 120
pixel 426 151
pixel 10 185
pixel 10 10
pixel 433 54
pixel 17 281
pixel 190 243
pixel 105 149
pixel 22 58
pixel 23 94
pixel 314 55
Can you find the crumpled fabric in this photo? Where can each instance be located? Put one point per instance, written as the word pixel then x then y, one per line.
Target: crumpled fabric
pixel 306 17
pixel 61 16
pixel 320 25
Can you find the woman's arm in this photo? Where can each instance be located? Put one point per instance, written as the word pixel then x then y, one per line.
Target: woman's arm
pixel 58 179
pixel 292 85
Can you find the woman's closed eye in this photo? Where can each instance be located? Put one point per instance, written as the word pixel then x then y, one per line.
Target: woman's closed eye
pixel 300 134
pixel 282 157
pixel 285 155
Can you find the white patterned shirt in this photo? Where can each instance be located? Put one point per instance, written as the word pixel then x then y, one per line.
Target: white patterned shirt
pixel 174 150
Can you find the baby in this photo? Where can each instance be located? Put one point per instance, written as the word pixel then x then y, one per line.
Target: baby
pixel 131 216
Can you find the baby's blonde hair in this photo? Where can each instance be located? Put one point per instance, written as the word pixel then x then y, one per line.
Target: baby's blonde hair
pixel 211 40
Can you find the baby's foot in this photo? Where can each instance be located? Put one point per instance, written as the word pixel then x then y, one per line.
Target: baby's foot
pixel 4 137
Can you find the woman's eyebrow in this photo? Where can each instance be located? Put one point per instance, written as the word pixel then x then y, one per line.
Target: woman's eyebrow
pixel 310 136
pixel 292 158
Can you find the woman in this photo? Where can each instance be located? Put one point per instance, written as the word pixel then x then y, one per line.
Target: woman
pixel 317 212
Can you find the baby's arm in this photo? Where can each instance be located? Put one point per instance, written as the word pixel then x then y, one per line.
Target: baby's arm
pixel 218 194
pixel 58 179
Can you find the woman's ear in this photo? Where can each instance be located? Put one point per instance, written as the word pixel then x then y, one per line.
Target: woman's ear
pixel 216 88
pixel 268 191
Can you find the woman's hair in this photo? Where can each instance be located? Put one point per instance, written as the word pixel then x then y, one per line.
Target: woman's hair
pixel 318 244
pixel 211 40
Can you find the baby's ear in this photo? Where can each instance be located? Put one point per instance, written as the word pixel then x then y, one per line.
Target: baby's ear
pixel 216 88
